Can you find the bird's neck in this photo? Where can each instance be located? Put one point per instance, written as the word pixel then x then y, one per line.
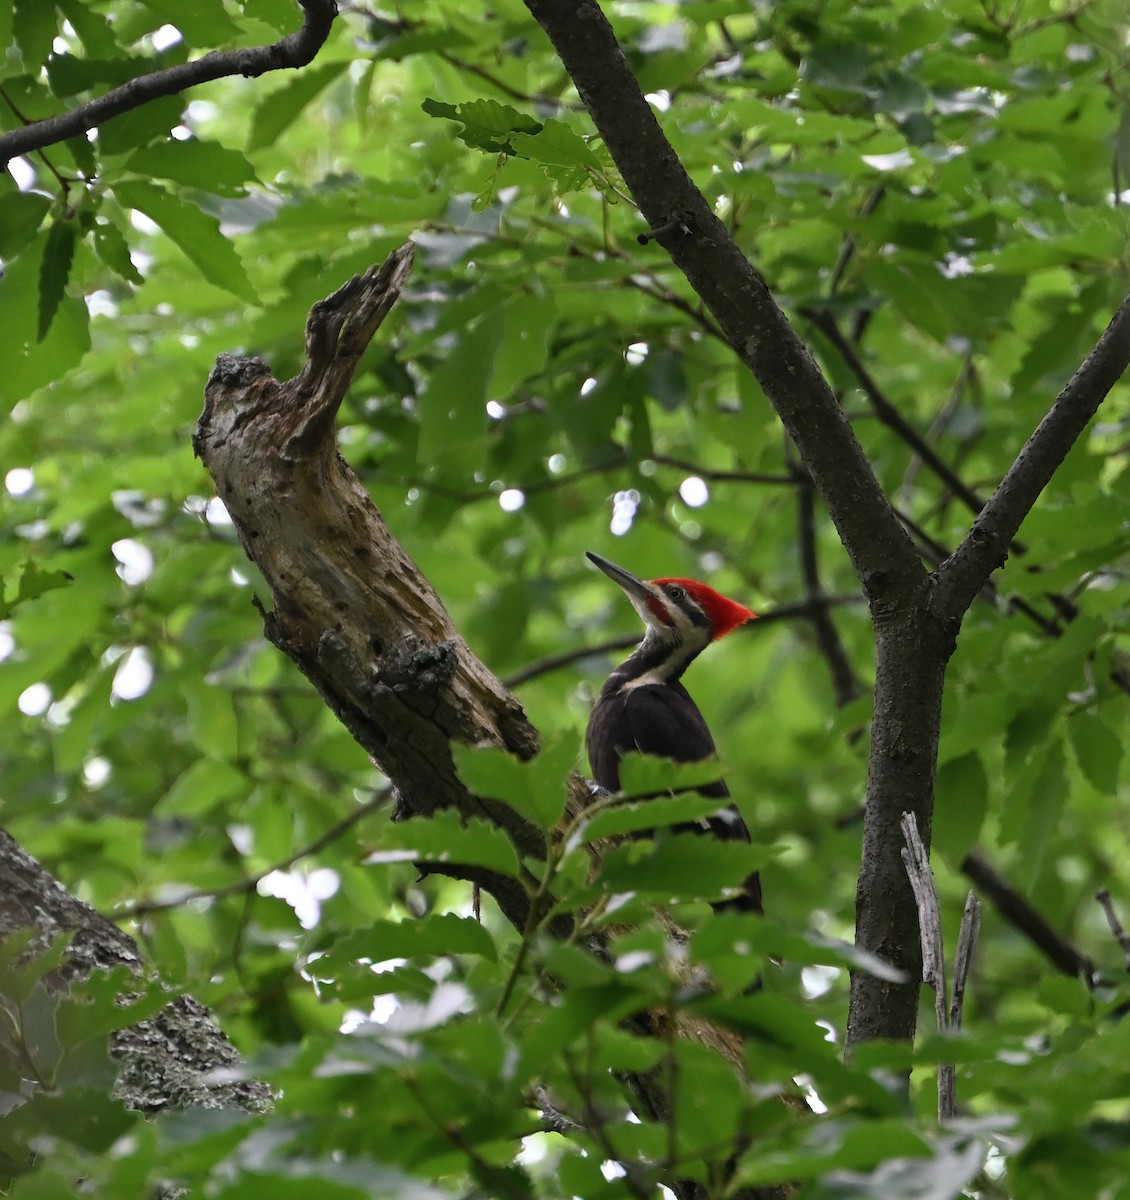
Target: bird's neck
pixel 657 659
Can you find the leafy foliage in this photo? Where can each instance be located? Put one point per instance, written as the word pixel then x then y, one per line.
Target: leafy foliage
pixel 932 181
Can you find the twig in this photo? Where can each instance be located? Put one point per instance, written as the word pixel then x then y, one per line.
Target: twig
pixel 844 680
pixel 1116 928
pixel 963 958
pixel 294 50
pixel 985 547
pixel 921 878
pixel 929 915
pixel 1019 913
pixel 889 415
pixel 651 235
pixel 251 882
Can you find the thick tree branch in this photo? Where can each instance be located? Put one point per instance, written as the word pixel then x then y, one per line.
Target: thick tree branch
pixel 173 1060
pixel 294 50
pixel 702 248
pixel 985 547
pixel 350 608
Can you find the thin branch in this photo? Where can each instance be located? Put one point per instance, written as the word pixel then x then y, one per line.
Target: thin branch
pixel 251 882
pixel 293 51
pixel 963 956
pixel 1120 934
pixel 917 861
pixel 985 547
pixel 889 415
pixel 715 476
pixel 844 680
pixel 1020 914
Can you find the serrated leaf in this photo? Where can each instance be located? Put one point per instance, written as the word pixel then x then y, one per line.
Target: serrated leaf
pixel 962 790
pixel 203 23
pixel 679 866
pixel 1098 751
pixel 656 813
pixel 20 216
pixel 140 125
pixel 54 272
pixel 282 107
pixel 429 937
pixel 487 124
pixel 644 775
pixel 96 1007
pixel 556 144
pixel 759 936
pixel 196 163
pixel 112 249
pixel 446 838
pixel 196 233
pixel 536 789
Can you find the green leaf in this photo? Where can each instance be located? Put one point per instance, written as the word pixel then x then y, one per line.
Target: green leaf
pixel 111 247
pixel 1098 751
pixel 195 163
pixel 282 107
pixel 644 775
pixel 141 125
pixel 31 582
pixel 428 937
pixel 487 124
pixel 203 23
pixel 536 789
pixel 106 1001
pixel 656 813
pixel 21 214
pixel 54 272
pixel 523 347
pixel 200 788
pixel 196 233
pixel 962 802
pixel 679 866
pixel 453 409
pixel 446 838
pixel 34 25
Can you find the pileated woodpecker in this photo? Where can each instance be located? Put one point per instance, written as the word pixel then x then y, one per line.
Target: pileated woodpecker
pixel 644 707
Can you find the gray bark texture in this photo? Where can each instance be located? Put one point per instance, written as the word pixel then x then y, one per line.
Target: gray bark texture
pixel 174 1060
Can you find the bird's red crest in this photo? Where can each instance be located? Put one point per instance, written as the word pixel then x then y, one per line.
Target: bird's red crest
pixel 725 614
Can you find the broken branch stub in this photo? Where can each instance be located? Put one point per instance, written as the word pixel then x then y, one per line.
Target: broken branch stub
pixel 349 606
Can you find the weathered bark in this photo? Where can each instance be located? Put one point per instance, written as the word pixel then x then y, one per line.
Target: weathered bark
pixel 350 607
pixel 171 1061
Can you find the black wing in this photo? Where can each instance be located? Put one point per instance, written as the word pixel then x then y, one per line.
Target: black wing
pixel 665 721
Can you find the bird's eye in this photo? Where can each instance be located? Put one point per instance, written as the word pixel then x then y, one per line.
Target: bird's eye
pixel 674 591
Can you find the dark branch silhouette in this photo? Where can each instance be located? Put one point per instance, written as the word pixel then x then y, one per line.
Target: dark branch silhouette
pixel 295 50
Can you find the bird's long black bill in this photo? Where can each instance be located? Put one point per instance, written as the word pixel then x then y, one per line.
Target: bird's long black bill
pixel 634 586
